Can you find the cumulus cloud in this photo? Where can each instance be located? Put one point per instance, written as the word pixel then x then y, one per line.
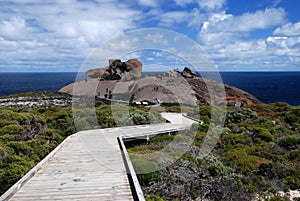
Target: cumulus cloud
pixel 289 29
pixel 211 4
pixel 173 17
pixel 63 31
pixel 227 39
pixel 184 2
pixel 150 3
pixel 225 27
pixel 206 5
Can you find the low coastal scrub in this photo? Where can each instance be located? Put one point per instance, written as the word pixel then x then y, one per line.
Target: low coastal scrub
pixel 257 156
pixel 27 135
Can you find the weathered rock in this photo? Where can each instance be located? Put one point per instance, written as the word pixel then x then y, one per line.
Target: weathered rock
pixel 117 70
pixel 189 73
pixel 95 73
pixel 37 99
pixel 173 73
pixel 233 94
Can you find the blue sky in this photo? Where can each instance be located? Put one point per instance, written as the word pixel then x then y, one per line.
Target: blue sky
pixel 238 35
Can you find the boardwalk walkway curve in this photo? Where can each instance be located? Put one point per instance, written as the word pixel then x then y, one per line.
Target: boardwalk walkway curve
pixel 90 165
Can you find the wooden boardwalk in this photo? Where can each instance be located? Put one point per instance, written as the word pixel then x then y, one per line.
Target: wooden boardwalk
pixel 87 166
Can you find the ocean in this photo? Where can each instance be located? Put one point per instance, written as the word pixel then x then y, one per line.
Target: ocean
pixel 268 87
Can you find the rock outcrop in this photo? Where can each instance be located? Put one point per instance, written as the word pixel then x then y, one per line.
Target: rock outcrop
pixel 186 73
pixel 189 73
pixel 173 73
pixel 233 94
pixel 118 70
pixel 186 87
pixel 37 99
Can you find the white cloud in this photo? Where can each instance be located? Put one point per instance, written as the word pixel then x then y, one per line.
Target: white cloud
pixel 211 4
pixel 228 40
pixel 222 27
pixel 191 19
pixel 259 20
pixel 59 31
pixel 289 29
pixel 207 5
pixel 156 38
pixel 150 3
pixel 65 31
pixel 249 21
pixel 174 17
pixel 184 2
pixel 13 29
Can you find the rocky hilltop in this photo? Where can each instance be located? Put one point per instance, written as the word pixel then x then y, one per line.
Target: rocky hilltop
pixel 123 81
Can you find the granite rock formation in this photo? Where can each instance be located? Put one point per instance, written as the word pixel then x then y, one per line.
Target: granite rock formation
pixel 118 70
pixel 189 73
pixel 186 73
pixel 186 87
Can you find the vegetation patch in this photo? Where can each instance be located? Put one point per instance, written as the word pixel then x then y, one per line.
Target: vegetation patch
pixel 258 154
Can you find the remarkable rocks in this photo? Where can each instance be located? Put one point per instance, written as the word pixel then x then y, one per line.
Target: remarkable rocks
pixel 123 81
pixel 189 73
pixel 117 70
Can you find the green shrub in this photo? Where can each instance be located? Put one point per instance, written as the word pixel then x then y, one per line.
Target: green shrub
pixel 293 179
pixel 161 139
pixel 5 122
pixel 239 116
pixel 11 129
pixel 293 117
pixel 264 135
pixel 219 169
pixel 234 139
pixel 13 171
pixel 289 142
pixel 242 161
pixel 200 136
pixel 21 148
pixel 52 134
pixel 293 155
pixel 153 198
pixel 226 131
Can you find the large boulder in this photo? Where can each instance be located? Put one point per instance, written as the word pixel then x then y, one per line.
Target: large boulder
pixel 173 73
pixel 95 73
pixel 189 73
pixel 117 70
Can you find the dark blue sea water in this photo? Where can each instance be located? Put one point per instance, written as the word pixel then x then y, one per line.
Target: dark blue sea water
pixel 13 83
pixel 267 86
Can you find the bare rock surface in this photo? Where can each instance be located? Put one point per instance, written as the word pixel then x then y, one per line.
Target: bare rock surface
pixel 117 70
pixel 37 99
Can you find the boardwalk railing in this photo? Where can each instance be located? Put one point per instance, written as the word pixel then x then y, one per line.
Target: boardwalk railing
pixel 133 180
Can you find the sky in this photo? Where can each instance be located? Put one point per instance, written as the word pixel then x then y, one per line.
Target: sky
pixel 237 35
